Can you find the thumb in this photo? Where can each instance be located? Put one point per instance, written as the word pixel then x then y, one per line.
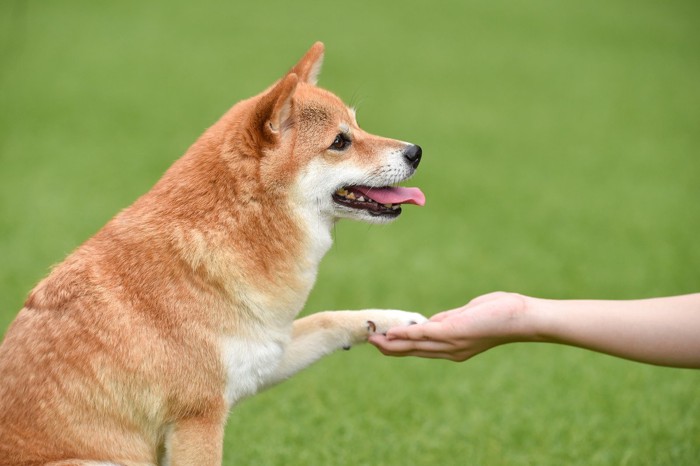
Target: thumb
pixel 440 316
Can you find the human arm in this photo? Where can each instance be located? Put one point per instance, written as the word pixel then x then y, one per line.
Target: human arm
pixel 662 331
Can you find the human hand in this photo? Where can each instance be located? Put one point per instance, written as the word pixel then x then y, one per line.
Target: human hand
pixel 662 331
pixel 487 321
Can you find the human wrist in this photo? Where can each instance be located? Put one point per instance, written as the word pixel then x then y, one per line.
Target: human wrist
pixel 538 319
pixel 522 320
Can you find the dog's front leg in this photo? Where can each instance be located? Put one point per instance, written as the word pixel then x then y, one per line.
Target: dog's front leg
pixel 320 334
pixel 197 440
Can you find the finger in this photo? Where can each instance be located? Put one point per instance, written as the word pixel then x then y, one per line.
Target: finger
pixel 450 356
pixel 392 346
pixel 423 349
pixel 406 346
pixel 422 354
pixel 439 317
pixel 426 331
pixel 479 300
pixel 419 353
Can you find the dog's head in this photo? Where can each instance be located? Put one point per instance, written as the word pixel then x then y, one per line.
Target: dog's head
pixel 314 153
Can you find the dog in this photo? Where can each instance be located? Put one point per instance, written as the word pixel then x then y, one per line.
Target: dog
pixel 133 350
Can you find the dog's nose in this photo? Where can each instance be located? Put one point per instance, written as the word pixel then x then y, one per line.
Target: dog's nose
pixel 413 154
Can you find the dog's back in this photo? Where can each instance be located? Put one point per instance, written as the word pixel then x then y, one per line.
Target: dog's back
pixel 113 341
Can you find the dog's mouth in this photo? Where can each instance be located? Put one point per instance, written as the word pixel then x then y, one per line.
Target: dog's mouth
pixel 385 201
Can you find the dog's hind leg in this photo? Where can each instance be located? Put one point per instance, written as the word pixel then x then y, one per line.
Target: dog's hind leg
pixel 320 334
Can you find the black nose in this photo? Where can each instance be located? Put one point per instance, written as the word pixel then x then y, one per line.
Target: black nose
pixel 413 154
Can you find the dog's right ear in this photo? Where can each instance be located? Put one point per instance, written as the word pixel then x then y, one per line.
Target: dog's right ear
pixel 274 110
pixel 309 67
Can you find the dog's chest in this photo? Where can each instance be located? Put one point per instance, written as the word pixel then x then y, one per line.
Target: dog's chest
pixel 249 363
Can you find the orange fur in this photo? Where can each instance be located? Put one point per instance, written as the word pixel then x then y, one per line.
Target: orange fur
pixel 116 354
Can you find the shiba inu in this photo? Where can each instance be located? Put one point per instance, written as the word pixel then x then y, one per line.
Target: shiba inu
pixel 133 350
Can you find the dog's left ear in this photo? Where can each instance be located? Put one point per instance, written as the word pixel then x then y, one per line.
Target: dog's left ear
pixel 274 110
pixel 309 67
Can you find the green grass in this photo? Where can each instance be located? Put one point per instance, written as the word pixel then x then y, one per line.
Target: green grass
pixel 561 159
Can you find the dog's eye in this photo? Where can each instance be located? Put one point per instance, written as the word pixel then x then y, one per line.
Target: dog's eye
pixel 341 142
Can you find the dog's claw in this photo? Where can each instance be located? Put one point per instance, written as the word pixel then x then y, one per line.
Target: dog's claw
pixel 347 347
pixel 371 326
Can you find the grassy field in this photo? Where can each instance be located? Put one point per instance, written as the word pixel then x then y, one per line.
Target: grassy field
pixel 561 159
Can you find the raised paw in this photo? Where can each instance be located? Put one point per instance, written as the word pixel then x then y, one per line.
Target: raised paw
pixel 383 320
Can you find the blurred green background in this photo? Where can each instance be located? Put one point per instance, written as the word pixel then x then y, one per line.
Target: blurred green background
pixel 561 159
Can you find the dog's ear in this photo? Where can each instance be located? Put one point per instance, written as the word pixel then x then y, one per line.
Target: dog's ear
pixel 309 67
pixel 282 107
pixel 273 111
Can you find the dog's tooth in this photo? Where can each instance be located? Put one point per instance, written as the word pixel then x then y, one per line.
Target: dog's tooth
pixel 395 206
pixel 351 196
pixel 388 205
pixel 361 198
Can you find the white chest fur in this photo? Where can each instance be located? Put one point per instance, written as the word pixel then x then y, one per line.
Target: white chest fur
pixel 249 363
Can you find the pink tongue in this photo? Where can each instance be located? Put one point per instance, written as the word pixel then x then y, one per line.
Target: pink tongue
pixel 396 195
